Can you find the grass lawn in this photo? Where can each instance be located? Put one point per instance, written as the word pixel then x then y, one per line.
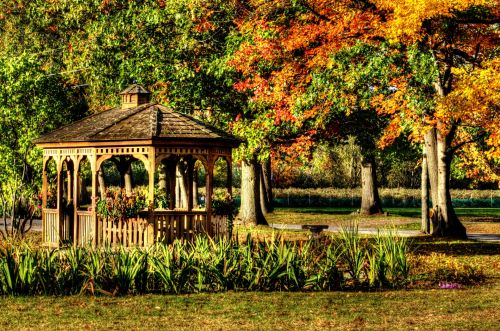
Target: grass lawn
pixel 472 308
pixel 476 220
pixel 418 307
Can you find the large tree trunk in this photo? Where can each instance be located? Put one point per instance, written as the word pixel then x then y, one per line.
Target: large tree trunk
pixel 250 209
pixel 182 190
pixel 162 178
pixel 102 184
pixel 266 190
pixel 430 142
pixel 370 200
pixel 448 224
pixel 195 187
pixel 444 221
pixel 426 227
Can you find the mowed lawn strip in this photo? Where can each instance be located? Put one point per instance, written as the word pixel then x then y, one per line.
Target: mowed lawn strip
pixel 472 308
pixel 476 220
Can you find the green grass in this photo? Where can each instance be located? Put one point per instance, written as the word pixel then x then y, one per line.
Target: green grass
pixel 472 308
pixel 428 308
pixel 406 212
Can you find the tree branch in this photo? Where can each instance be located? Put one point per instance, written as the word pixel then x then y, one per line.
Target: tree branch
pixel 465 56
pixel 479 21
pixel 312 10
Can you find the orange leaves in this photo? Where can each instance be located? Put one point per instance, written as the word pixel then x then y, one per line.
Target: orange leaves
pixel 391 132
pixel 285 42
pixel 204 25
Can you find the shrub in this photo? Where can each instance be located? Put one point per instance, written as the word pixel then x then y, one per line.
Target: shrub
pixel 437 268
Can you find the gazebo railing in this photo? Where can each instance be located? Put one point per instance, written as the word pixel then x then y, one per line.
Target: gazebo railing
pixel 50 230
pixel 85 228
pixel 128 232
pixel 147 228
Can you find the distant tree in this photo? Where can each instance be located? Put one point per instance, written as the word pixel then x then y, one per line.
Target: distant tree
pixel 32 102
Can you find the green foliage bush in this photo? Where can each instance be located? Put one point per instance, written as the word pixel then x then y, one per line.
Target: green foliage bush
pixel 118 205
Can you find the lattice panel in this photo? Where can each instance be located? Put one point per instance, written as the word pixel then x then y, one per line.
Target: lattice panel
pixel 122 150
pixel 182 150
pixel 68 151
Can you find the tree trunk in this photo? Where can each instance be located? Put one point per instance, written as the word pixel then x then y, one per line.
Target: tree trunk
pixel 448 224
pixel 102 184
pixel 182 191
pixel 425 228
pixel 195 188
pixel 162 178
pixel 250 210
pixel 430 142
pixel 370 200
pixel 127 179
pixel 444 221
pixel 266 190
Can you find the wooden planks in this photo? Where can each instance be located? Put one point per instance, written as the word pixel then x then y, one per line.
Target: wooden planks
pixel 128 232
pixel 50 227
pixel 164 226
pixel 85 228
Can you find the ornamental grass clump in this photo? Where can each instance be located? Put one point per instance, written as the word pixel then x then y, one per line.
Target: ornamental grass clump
pixel 353 251
pixel 207 265
pixel 388 260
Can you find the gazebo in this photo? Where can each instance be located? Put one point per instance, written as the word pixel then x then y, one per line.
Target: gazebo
pixel 162 139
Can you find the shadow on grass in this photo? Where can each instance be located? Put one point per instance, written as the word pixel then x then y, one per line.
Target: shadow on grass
pixel 319 210
pixel 454 247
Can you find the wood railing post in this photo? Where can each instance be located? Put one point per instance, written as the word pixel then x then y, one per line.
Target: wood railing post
pixel 59 204
pixel 209 193
pixel 190 172
pixel 44 200
pixel 95 235
pixel 75 204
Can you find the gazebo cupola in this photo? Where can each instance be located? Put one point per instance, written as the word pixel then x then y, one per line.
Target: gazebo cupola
pixel 134 95
pixel 176 152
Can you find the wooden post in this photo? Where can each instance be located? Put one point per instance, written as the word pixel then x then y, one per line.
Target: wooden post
pixel 151 196
pixel 209 192
pixel 93 166
pixel 229 175
pixel 75 201
pixel 44 197
pixel 190 171
pixel 59 202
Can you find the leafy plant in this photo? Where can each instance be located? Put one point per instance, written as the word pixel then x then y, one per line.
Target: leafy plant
pixel 118 205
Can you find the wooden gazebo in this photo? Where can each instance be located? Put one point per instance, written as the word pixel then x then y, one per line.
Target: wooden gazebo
pixel 137 130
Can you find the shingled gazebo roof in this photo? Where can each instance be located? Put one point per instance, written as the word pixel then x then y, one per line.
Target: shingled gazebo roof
pixel 151 122
pixel 135 89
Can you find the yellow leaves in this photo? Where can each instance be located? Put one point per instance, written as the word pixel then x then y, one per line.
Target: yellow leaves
pixel 406 17
pixel 475 102
pixel 477 164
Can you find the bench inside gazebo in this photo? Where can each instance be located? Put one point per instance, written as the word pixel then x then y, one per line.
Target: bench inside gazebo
pixel 174 151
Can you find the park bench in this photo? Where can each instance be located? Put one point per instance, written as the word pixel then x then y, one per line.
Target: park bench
pixel 315 229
